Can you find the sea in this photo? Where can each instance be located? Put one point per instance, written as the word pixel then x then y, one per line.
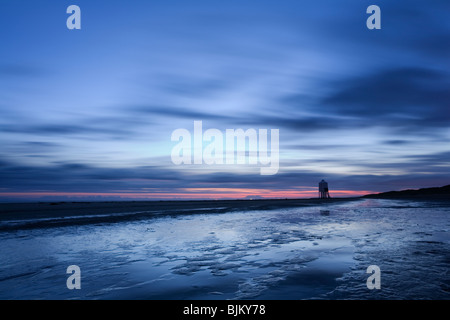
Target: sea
pixel 321 251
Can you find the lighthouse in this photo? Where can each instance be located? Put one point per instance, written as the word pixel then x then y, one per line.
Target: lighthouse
pixel 323 190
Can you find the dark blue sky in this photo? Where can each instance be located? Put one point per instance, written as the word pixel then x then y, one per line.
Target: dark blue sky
pixel 90 112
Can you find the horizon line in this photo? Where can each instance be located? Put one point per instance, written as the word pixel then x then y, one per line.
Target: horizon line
pixel 232 194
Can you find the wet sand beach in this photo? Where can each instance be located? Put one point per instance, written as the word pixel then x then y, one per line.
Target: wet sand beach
pixel 274 249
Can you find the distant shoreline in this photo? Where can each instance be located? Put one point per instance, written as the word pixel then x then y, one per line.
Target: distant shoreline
pixel 30 215
pixel 49 209
pixel 434 192
pixel 33 210
pixel 20 216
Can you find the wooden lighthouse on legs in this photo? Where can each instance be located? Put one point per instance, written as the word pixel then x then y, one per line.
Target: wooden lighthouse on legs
pixel 323 190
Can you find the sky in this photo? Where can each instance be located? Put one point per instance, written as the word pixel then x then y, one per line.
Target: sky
pixel 89 113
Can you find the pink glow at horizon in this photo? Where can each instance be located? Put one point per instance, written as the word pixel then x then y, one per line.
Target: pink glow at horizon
pixel 189 194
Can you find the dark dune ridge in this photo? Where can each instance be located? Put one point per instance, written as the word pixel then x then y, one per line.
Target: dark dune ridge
pixel 424 193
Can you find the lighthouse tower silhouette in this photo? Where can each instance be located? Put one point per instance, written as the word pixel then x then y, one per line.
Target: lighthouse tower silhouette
pixel 323 190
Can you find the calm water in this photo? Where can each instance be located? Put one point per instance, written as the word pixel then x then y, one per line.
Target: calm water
pixel 299 253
